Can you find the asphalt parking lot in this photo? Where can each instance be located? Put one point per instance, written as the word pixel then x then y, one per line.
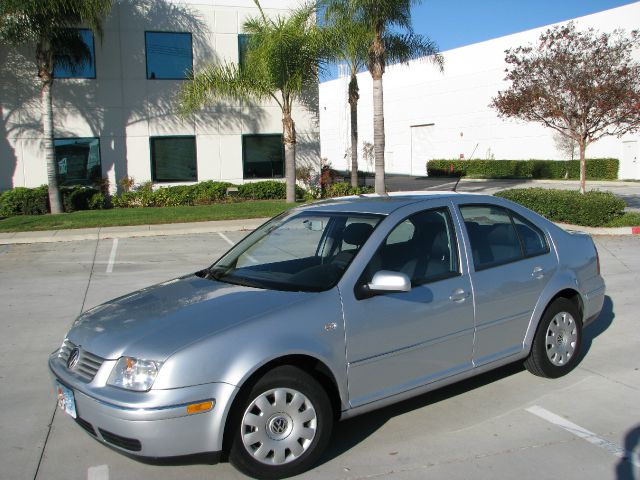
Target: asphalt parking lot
pixel 505 424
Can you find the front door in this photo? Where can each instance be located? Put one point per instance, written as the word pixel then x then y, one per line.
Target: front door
pixel 399 341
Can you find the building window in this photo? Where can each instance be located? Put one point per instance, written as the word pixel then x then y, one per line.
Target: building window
pixel 85 69
pixel 78 160
pixel 173 159
pixel 243 42
pixel 169 55
pixel 263 156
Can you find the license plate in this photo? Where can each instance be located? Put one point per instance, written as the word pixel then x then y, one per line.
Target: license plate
pixel 66 400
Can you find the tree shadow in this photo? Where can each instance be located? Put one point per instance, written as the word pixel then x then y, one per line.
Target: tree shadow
pixel 107 106
pixel 598 327
pixel 624 468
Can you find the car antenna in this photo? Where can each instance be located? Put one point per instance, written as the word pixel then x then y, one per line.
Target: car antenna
pixel 457 182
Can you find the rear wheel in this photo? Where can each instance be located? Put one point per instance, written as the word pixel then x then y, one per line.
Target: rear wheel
pixel 556 344
pixel 281 427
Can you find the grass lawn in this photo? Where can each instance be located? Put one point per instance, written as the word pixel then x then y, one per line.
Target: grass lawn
pixel 144 216
pixel 628 219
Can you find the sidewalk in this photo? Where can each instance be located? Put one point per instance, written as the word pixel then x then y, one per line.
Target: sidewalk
pixel 73 235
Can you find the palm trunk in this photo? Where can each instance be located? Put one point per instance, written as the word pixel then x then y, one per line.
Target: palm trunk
pixel 55 201
pixel 583 166
pixel 353 103
pixel 378 134
pixel 289 129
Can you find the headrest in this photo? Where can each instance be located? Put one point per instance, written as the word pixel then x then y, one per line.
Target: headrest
pixel 357 233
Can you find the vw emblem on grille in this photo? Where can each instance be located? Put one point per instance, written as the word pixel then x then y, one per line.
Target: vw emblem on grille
pixel 74 356
pixel 279 425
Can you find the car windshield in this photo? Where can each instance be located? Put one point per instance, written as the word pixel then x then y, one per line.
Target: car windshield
pixel 296 251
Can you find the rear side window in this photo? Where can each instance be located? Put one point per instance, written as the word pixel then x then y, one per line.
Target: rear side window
pixel 500 236
pixel 533 240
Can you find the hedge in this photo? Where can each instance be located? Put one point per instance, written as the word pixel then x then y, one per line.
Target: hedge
pixel 592 209
pixel 343 189
pixel 35 201
pixel 597 168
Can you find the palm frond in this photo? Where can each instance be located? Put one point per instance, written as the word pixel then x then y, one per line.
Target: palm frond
pixel 404 47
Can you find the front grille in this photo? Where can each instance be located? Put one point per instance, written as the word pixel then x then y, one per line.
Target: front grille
pixel 86 425
pixel 127 443
pixel 88 363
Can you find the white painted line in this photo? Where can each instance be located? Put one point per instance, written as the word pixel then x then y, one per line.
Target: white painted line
pixel 112 257
pixel 101 472
pixel 585 434
pixel 441 186
pixel 226 239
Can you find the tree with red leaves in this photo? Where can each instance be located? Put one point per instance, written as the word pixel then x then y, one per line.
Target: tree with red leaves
pixel 583 84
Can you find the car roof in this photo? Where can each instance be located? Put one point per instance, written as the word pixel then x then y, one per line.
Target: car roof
pixel 383 204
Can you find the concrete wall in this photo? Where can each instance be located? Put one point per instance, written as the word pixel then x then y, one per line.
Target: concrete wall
pixel 124 109
pixel 430 115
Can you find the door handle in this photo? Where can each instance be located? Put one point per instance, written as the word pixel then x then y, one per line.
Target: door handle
pixel 458 295
pixel 538 272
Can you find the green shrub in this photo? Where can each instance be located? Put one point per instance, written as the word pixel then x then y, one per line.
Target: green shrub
pixel 597 168
pixel 99 201
pixel 25 201
pixel 343 189
pixel 77 197
pixel 210 192
pixel 593 209
pixel 266 190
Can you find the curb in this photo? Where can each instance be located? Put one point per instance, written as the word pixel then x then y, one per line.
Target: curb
pixel 616 231
pixel 597 183
pixel 101 233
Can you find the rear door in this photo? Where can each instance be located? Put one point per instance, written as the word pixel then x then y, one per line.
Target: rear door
pixel 511 263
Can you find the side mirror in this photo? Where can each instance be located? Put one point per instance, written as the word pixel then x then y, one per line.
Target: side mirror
pixel 385 281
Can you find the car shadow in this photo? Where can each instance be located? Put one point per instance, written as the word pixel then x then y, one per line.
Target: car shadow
pixel 351 432
pixel 598 327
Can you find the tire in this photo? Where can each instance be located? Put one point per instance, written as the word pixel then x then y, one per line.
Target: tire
pixel 281 426
pixel 556 345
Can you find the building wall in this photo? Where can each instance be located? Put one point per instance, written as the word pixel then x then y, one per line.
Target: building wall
pixel 429 115
pixel 123 108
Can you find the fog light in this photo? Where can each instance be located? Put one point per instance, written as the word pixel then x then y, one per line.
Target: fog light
pixel 199 407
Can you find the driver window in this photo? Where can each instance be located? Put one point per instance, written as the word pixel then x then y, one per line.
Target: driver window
pixel 423 246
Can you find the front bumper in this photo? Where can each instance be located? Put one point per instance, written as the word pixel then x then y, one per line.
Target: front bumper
pixel 148 424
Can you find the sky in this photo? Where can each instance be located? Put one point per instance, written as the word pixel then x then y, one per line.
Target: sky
pixel 455 23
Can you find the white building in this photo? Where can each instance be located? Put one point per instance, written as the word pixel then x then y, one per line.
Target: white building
pixel 119 118
pixel 429 115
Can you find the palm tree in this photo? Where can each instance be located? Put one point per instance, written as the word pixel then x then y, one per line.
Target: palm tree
pixel 51 25
pixel 281 63
pixel 350 44
pixel 384 19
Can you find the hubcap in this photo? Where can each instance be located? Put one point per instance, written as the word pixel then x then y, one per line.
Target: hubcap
pixel 278 426
pixel 562 338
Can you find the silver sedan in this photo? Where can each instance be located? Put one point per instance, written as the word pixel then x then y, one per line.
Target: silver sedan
pixel 327 311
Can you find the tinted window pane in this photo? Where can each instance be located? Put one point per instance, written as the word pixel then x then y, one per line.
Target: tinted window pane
pixel 86 69
pixel 77 160
pixel 173 159
pixel 263 156
pixel 243 41
pixel 422 246
pixel 492 236
pixel 169 55
pixel 532 238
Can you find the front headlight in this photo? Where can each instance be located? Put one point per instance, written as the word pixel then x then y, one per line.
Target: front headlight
pixel 134 374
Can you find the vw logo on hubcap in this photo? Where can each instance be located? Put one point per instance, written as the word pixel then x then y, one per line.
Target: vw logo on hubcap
pixel 279 425
pixel 74 356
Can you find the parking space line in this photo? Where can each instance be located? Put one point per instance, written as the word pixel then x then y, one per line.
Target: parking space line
pixel 226 239
pixel 112 257
pixel 585 434
pixel 101 472
pixel 441 186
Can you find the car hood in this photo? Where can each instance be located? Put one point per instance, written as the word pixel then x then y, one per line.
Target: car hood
pixel 154 322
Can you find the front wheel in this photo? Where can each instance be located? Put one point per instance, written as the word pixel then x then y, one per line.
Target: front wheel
pixel 556 344
pixel 282 426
